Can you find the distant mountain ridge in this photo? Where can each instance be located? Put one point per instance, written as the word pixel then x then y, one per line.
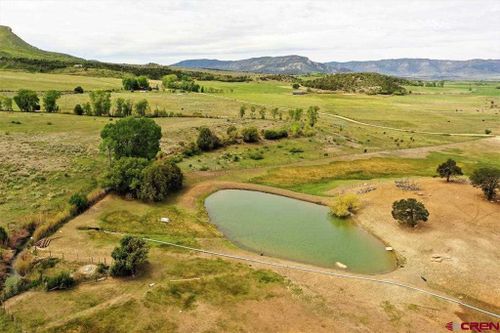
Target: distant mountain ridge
pixel 405 67
pixel 292 64
pixel 13 48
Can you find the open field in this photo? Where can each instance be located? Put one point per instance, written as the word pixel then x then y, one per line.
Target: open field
pixel 45 158
pixel 12 81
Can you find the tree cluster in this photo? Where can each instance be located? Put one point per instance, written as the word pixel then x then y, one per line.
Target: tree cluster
pixel 369 83
pixel 132 83
pixel 132 145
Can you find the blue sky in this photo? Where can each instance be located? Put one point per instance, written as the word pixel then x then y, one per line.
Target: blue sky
pixel 169 31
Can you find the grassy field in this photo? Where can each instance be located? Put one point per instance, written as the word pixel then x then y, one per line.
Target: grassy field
pixel 45 158
pixel 12 81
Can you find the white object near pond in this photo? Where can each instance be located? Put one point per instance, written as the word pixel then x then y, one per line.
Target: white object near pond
pixel 340 265
pixel 165 220
pixel 388 248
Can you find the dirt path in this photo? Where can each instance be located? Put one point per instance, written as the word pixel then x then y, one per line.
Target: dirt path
pixel 405 130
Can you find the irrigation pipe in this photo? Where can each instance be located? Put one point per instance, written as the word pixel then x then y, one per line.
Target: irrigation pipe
pixel 319 271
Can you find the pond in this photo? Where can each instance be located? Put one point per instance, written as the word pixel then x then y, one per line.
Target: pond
pixel 297 230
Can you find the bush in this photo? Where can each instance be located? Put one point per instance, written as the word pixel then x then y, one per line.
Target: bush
pixel 131 253
pixel 256 155
pixel 487 131
pixel 344 205
pixel 78 110
pixel 409 211
pixel 272 134
pixel 207 140
pixel 4 237
pixel 13 285
pixel 159 180
pixel 191 150
pixel 59 282
pixel 125 175
pixel 79 202
pixel 78 90
pixel 250 134
pixel 23 263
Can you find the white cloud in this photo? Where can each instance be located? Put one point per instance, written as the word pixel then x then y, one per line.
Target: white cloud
pixel 169 31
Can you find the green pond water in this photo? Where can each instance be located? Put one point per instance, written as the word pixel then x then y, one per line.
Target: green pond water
pixel 297 230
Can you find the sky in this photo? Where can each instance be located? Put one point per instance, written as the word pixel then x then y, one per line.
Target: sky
pixel 172 30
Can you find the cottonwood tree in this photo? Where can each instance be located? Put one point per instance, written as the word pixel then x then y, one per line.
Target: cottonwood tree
pixel 488 180
pixel 449 169
pixel 252 112
pixel 243 109
pixel 101 102
pixel 125 175
pixel 27 100
pixel 141 107
pixel 312 115
pixel 409 211
pixel 131 253
pixel 50 100
pixel 159 179
pixel 274 113
pixel 262 112
pixel 132 137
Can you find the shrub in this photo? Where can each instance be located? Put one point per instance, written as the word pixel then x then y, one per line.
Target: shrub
pixel 256 155
pixel 191 150
pixel 250 134
pixel 78 90
pixel 13 285
pixel 272 134
pixel 125 175
pixel 4 237
pixel 344 205
pixel 79 202
pixel 61 281
pixel 78 110
pixel 23 263
pixel 131 253
pixel 295 86
pixel 409 211
pixel 207 140
pixel 488 180
pixel 296 150
pixel 487 131
pixel 159 180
